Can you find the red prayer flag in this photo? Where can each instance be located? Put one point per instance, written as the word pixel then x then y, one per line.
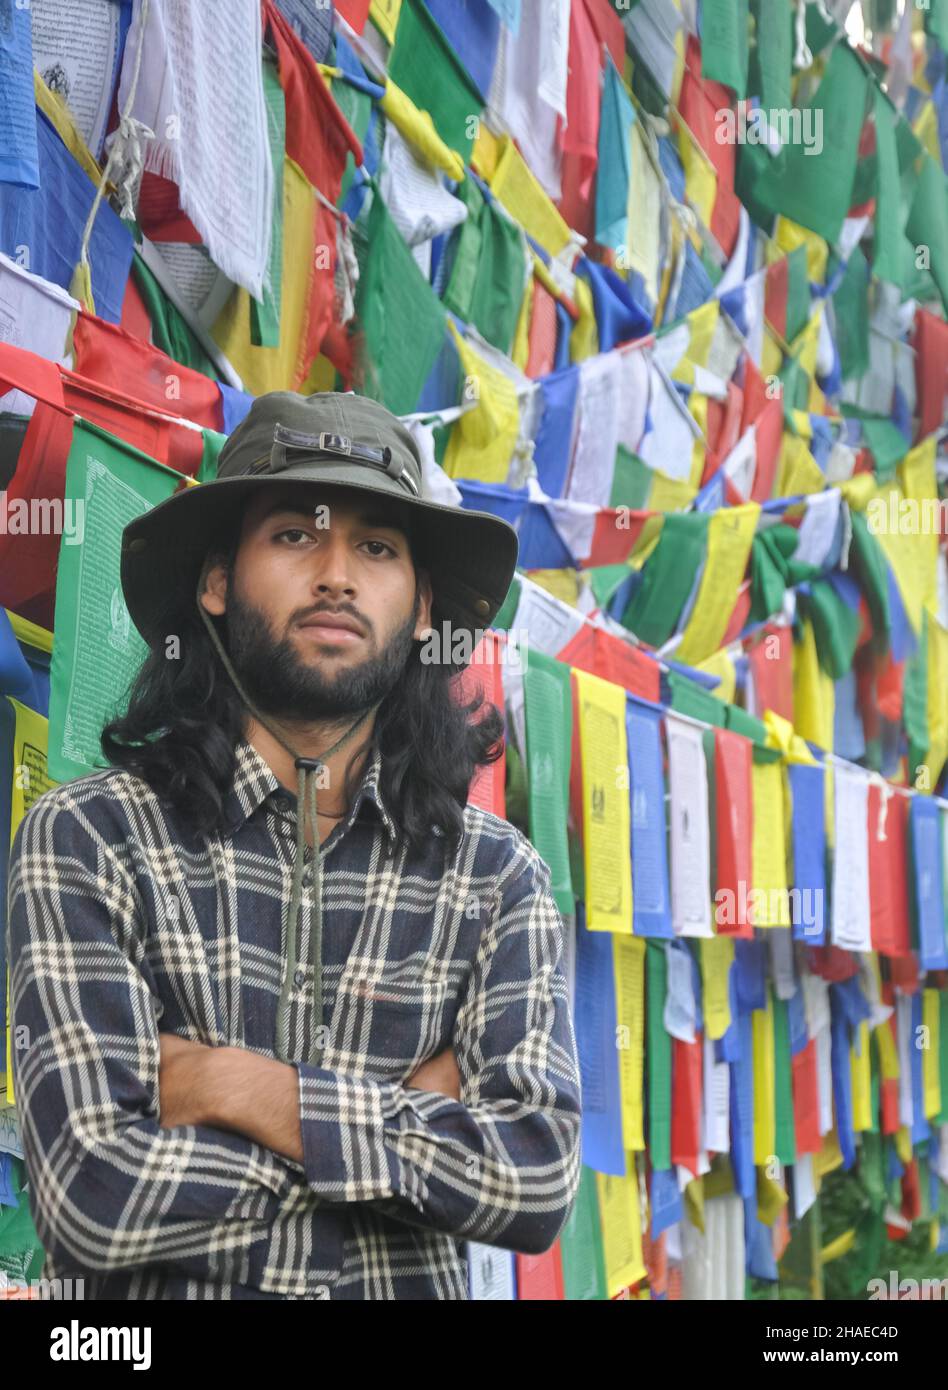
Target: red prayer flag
pixel 540 1277
pixel 888 874
pixel 28 560
pixel 601 654
pixel 107 354
pixel 686 1102
pixel 734 817
pixel 484 675
pixel 318 137
pixel 771 664
pixel 354 12
pixel 931 370
pixel 806 1100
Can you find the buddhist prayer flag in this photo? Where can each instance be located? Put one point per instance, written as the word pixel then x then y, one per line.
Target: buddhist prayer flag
pixel 606 839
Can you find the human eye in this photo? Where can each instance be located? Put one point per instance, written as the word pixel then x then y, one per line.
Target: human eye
pixel 385 547
pixel 291 531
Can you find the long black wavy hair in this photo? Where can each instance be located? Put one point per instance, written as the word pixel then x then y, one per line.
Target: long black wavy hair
pixel 184 718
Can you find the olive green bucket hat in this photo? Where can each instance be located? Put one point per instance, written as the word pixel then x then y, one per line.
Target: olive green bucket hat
pixel 327 441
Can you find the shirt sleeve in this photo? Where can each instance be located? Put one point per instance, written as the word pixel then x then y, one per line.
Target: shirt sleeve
pixel 501 1166
pixel 109 1188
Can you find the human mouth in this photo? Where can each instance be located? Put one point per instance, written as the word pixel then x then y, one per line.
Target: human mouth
pixel 326 627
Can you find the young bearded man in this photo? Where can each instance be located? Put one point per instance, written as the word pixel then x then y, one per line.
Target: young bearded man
pixel 254 1060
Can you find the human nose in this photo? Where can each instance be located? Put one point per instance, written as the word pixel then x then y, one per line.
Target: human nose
pixel 333 567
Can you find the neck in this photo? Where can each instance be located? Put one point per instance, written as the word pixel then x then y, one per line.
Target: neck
pixel 309 740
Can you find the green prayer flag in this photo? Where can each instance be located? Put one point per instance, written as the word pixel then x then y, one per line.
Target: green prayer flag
pixel 659 1051
pixel 265 312
pixel 668 577
pixel 928 224
pixel 170 332
pixel 889 231
pixel 428 70
pixel 813 180
pixel 786 1144
pixel 214 441
pixel 772 64
pixel 21 1255
pixel 740 722
pixel 548 713
pixel 584 1271
pixel 401 317
pixel 631 481
pixel 915 701
pixel 98 650
pixel 724 43
pixel 936 21
pixel 488 274
pixel 851 311
pixel 887 444
pixel 868 561
pixel 835 627
pixel 688 697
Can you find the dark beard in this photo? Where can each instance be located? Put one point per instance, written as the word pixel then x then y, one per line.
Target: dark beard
pixel 283 685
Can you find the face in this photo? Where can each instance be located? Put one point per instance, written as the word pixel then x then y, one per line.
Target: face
pixel 309 563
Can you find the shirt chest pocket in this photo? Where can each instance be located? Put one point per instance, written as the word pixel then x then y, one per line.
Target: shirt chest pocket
pixel 386 1030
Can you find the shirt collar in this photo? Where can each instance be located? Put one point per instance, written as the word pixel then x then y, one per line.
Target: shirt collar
pixel 254 782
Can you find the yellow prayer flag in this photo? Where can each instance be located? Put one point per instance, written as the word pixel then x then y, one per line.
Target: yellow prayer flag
pixel 646 192
pixel 527 201
pixel 621 1222
pixel 483 439
pixel 814 696
pixel 730 535
pixel 520 352
pixel 937 696
pixel 670 494
pixel 888 1052
pixel 931 1079
pixel 771 1197
pixel 788 236
pixel 722 666
pixel 384 15
pixel 765 1114
pixel 605 776
pixel 780 734
pixel 860 1074
pixel 717 954
pixel 628 957
pixel 701 180
pixel 419 130
pixel 282 368
pixel 770 900
pixel 799 473
pixel 30 780
pixel 911 546
pixel 584 339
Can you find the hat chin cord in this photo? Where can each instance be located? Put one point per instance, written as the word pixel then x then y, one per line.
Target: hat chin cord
pixel 306 800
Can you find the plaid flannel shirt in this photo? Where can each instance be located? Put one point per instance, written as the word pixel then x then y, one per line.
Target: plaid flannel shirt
pixel 122 923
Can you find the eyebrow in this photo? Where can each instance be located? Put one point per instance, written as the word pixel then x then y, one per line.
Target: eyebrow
pixel 367 517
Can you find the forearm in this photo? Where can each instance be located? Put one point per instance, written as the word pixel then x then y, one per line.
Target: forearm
pixel 251 1095
pixel 500 1174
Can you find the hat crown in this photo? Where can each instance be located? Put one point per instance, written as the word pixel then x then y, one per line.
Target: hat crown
pixel 327 427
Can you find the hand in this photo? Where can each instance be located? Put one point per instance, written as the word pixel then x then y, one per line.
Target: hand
pixel 181 1073
pixel 438 1074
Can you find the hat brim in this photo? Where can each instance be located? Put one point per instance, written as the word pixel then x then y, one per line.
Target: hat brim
pixel 471 556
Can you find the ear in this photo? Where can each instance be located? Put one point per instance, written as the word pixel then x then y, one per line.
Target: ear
pixel 423 625
pixel 214 593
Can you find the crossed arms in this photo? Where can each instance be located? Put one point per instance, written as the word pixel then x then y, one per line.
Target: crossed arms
pixel 117 1184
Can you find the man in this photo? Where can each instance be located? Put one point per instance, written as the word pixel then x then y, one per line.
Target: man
pixel 274 1046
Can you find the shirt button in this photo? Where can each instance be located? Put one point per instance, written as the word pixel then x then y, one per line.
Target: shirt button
pixel 299 979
